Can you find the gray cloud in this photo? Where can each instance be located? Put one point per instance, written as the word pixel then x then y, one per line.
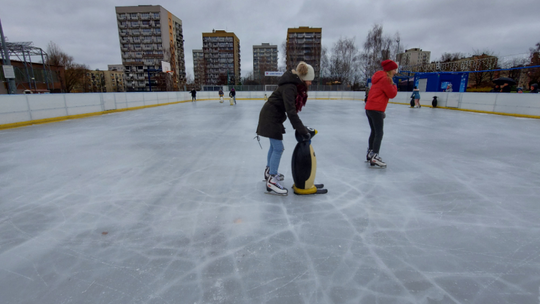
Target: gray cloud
pixel 87 29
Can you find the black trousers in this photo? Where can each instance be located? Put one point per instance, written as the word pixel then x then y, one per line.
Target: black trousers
pixel 376 123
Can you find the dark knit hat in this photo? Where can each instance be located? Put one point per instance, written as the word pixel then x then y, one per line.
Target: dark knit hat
pixel 389 65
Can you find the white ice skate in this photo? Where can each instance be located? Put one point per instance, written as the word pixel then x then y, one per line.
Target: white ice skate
pixel 377 162
pixel 274 187
pixel 280 176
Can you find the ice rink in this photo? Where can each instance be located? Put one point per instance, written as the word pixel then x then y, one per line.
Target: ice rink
pixel 167 205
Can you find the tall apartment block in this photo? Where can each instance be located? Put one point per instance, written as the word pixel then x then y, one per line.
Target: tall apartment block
pixel 304 44
pixel 221 58
pixel 265 58
pixel 198 68
pixel 150 34
pixel 413 57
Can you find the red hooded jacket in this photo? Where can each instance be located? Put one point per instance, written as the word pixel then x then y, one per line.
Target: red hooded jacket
pixel 381 91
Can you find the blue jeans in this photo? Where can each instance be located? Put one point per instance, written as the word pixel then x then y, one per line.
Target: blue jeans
pixel 274 155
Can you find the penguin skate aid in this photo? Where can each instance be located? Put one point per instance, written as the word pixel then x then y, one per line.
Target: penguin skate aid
pixel 304 166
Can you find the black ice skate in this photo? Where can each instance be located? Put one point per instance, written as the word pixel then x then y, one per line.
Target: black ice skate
pixel 280 176
pixel 377 162
pixel 274 187
pixel 369 155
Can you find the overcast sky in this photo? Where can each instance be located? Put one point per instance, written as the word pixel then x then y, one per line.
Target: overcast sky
pixel 87 29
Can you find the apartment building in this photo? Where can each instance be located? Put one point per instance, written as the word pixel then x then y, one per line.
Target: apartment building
pixel 304 44
pixel 412 57
pixel 148 35
pixel 103 81
pixel 221 51
pixel 198 68
pixel 115 67
pixel 265 58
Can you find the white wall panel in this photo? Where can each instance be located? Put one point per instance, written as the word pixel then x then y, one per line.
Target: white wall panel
pixel 150 98
pixel 78 100
pixel 46 101
pixel 43 114
pixel 84 110
pixel 13 103
pixel 477 101
pixel 135 100
pixel 9 118
pixel 109 101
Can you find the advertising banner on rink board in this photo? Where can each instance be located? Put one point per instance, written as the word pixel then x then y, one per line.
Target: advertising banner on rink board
pixel 277 74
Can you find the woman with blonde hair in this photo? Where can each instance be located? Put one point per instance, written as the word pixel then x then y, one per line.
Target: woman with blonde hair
pixel 382 90
pixel 286 101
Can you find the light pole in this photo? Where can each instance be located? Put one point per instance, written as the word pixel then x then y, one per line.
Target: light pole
pixel 7 62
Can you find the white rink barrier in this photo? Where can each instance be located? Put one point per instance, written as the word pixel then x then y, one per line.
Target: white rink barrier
pixel 23 110
pixel 513 104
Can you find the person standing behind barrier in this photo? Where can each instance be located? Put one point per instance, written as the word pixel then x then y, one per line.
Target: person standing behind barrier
pixel 534 88
pixel 193 95
pixel 505 88
pixel 416 95
pixel 382 90
pixel 285 102
pixel 232 94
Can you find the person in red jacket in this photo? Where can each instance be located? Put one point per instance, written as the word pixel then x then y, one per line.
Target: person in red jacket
pixel 382 90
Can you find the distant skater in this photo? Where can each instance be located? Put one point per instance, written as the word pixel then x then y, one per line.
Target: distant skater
pixel 232 94
pixel 193 95
pixel 221 95
pixel 382 90
pixel 285 102
pixel 416 96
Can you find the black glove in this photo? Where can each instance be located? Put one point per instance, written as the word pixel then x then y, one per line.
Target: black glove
pixel 383 115
pixel 306 137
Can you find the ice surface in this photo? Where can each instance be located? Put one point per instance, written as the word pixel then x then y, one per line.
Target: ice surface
pixel 167 205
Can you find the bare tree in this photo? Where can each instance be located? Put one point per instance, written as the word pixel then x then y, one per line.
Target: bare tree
pixel 293 53
pixel 56 57
pixel 450 57
pixel 344 60
pixel 483 60
pixel 376 49
pixel 325 64
pixel 75 74
pixel 534 57
pixel 398 47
